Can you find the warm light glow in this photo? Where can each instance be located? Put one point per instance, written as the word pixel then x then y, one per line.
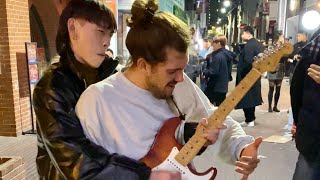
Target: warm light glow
pixel 311 20
pixel 292 5
pixel 223 10
pixel 226 3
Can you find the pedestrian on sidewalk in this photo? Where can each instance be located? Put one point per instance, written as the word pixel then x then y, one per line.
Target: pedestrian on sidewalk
pixel 218 71
pixel 152 90
pixel 253 97
pixel 305 95
pixel 275 78
pixel 84 33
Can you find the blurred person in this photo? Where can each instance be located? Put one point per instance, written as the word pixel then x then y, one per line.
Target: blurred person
pixel 193 67
pixel 218 71
pixel 109 53
pixel 253 97
pixel 305 93
pixel 153 89
pixel 295 56
pixel 204 52
pixel 275 78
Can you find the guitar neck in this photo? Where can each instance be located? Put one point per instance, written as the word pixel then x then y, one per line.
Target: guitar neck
pixel 196 142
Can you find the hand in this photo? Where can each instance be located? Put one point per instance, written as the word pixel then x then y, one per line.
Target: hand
pixel 248 159
pixel 165 175
pixel 210 134
pixel 314 72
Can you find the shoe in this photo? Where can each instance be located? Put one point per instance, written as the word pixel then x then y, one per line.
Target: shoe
pixel 251 124
pixel 245 124
pixel 275 109
pixel 270 109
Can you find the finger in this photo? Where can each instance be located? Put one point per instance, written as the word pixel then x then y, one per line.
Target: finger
pixel 314 76
pixel 245 177
pixel 249 166
pixel 204 122
pixel 249 159
pixel 313 71
pixel 316 67
pixel 257 142
pixel 242 171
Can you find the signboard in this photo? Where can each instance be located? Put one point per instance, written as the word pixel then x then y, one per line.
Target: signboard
pixel 33 73
pixel 31 50
pixel 31 55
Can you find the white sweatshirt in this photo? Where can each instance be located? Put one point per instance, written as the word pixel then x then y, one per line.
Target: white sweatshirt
pixel 124 119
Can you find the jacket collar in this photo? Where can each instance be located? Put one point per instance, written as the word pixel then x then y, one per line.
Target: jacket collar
pixel 107 67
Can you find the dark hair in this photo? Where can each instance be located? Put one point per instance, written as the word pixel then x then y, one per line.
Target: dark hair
pixel 153 32
pixel 249 29
pixel 222 39
pixel 93 11
pixel 110 50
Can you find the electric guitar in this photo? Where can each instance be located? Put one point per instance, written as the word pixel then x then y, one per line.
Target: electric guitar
pixel 167 154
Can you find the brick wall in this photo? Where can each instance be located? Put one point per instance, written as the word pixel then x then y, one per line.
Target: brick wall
pixel 14 91
pixel 15 114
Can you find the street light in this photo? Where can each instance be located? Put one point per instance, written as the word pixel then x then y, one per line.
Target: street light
pixel 223 10
pixel 226 3
pixel 311 20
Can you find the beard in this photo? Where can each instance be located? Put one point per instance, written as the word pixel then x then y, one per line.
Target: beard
pixel 158 92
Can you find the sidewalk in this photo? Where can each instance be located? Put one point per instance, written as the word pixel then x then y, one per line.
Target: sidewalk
pixel 278 160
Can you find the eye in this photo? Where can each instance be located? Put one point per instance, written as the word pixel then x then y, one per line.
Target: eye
pixel 102 31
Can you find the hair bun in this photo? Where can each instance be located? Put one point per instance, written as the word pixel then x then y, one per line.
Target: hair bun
pixel 142 12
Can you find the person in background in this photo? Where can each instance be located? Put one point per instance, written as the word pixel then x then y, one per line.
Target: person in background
pixel 305 95
pixel 253 97
pixel 109 53
pixel 154 89
pixel 275 78
pixel 193 67
pixel 218 71
pixel 84 33
pixel 204 52
pixel 295 56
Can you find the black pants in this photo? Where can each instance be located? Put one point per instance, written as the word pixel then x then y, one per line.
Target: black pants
pixel 216 98
pixel 249 114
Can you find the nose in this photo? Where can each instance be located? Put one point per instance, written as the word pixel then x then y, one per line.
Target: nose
pixel 106 42
pixel 179 76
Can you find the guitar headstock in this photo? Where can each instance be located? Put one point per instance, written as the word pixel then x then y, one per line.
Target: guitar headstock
pixel 270 59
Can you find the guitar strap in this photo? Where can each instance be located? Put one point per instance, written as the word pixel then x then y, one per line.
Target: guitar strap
pixel 181 115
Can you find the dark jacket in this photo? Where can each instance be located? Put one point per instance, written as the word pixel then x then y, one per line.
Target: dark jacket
pixel 218 71
pixel 305 95
pixel 63 150
pixel 193 67
pixel 253 97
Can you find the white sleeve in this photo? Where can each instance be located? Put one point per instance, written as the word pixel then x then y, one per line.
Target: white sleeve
pixel 87 110
pixel 196 105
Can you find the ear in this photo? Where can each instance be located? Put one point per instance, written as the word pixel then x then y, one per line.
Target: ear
pixel 72 28
pixel 143 65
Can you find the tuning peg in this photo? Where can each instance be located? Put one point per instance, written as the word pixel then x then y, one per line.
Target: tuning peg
pixel 267 52
pixel 255 58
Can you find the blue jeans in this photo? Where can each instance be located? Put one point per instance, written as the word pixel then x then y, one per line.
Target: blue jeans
pixel 305 170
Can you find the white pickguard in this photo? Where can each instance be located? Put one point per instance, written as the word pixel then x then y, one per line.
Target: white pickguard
pixel 170 164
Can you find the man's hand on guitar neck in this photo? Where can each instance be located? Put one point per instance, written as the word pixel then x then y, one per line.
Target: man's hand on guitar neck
pixel 210 134
pixel 248 159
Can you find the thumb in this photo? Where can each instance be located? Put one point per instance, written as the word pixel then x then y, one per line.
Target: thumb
pixel 244 177
pixel 257 142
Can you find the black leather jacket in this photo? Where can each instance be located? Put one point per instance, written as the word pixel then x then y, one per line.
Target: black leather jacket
pixel 63 150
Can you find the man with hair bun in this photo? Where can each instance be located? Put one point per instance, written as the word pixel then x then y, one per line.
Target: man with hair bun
pixel 129 108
